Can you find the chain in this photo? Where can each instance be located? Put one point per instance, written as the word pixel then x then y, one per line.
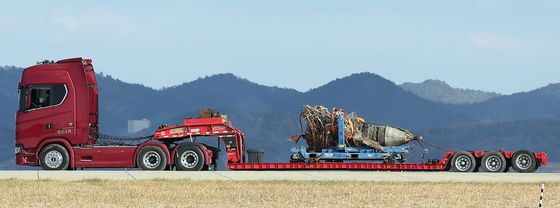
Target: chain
pixel 105 139
pixel 432 145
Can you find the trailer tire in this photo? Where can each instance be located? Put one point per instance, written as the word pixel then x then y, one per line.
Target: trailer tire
pixel 493 162
pixel 523 161
pixel 54 157
pixel 463 161
pixel 151 158
pixel 189 158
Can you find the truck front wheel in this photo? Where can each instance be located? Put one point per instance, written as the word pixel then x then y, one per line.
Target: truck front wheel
pixel 151 158
pixel 54 157
pixel 189 158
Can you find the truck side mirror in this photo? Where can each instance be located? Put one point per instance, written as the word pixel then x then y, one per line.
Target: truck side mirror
pixel 27 99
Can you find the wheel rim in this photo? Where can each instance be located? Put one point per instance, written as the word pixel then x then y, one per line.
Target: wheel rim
pixel 493 163
pixel 189 159
pixel 463 163
pixel 523 161
pixel 152 159
pixel 53 159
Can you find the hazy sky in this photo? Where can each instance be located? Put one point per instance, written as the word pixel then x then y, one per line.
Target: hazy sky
pixel 502 46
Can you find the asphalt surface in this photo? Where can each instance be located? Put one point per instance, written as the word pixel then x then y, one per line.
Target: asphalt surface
pixel 286 175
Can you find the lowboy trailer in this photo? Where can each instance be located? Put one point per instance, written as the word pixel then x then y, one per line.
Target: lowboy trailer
pixel 57 128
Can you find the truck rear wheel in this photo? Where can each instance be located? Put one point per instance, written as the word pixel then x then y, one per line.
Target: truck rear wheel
pixel 151 158
pixel 54 157
pixel 189 158
pixel 524 161
pixel 493 162
pixel 463 161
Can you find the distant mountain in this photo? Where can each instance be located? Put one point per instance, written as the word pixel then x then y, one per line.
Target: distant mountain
pixel 230 91
pixel 7 145
pixel 440 91
pixel 539 103
pixel 9 79
pixel 380 100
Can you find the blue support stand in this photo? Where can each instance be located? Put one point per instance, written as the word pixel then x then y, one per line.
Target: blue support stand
pixel 341 137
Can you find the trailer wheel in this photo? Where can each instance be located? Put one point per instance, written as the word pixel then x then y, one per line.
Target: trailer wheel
pixel 189 158
pixel 151 158
pixel 524 161
pixel 54 157
pixel 463 161
pixel 493 162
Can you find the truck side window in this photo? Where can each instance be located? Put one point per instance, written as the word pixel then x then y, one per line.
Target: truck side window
pixel 59 93
pixel 42 96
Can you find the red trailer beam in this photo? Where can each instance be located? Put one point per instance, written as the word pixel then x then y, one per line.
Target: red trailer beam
pixel 337 166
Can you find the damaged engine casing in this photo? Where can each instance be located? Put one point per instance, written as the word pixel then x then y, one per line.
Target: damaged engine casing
pixel 321 134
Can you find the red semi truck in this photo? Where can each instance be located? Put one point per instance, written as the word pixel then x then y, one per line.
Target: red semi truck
pixel 57 128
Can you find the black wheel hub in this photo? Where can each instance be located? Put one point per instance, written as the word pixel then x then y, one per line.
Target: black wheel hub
pixel 190 159
pixel 152 160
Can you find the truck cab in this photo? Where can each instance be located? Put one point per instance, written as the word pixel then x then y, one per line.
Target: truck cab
pixel 58 102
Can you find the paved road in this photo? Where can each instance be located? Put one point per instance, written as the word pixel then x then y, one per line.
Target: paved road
pixel 286 175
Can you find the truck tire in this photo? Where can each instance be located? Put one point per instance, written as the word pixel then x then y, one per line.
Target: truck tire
pixel 523 161
pixel 189 158
pixel 493 162
pixel 463 161
pixel 54 157
pixel 151 158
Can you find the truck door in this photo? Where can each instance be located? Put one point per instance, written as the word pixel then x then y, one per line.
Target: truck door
pixel 34 121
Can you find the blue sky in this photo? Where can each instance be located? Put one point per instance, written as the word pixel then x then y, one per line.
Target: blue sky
pixel 502 46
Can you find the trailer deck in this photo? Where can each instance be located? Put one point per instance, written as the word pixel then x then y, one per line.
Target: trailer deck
pixel 337 166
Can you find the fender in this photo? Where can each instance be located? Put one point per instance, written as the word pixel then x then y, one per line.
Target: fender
pixel 542 157
pixel 508 155
pixel 477 154
pixel 158 144
pixel 63 141
pixel 445 160
pixel 208 156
